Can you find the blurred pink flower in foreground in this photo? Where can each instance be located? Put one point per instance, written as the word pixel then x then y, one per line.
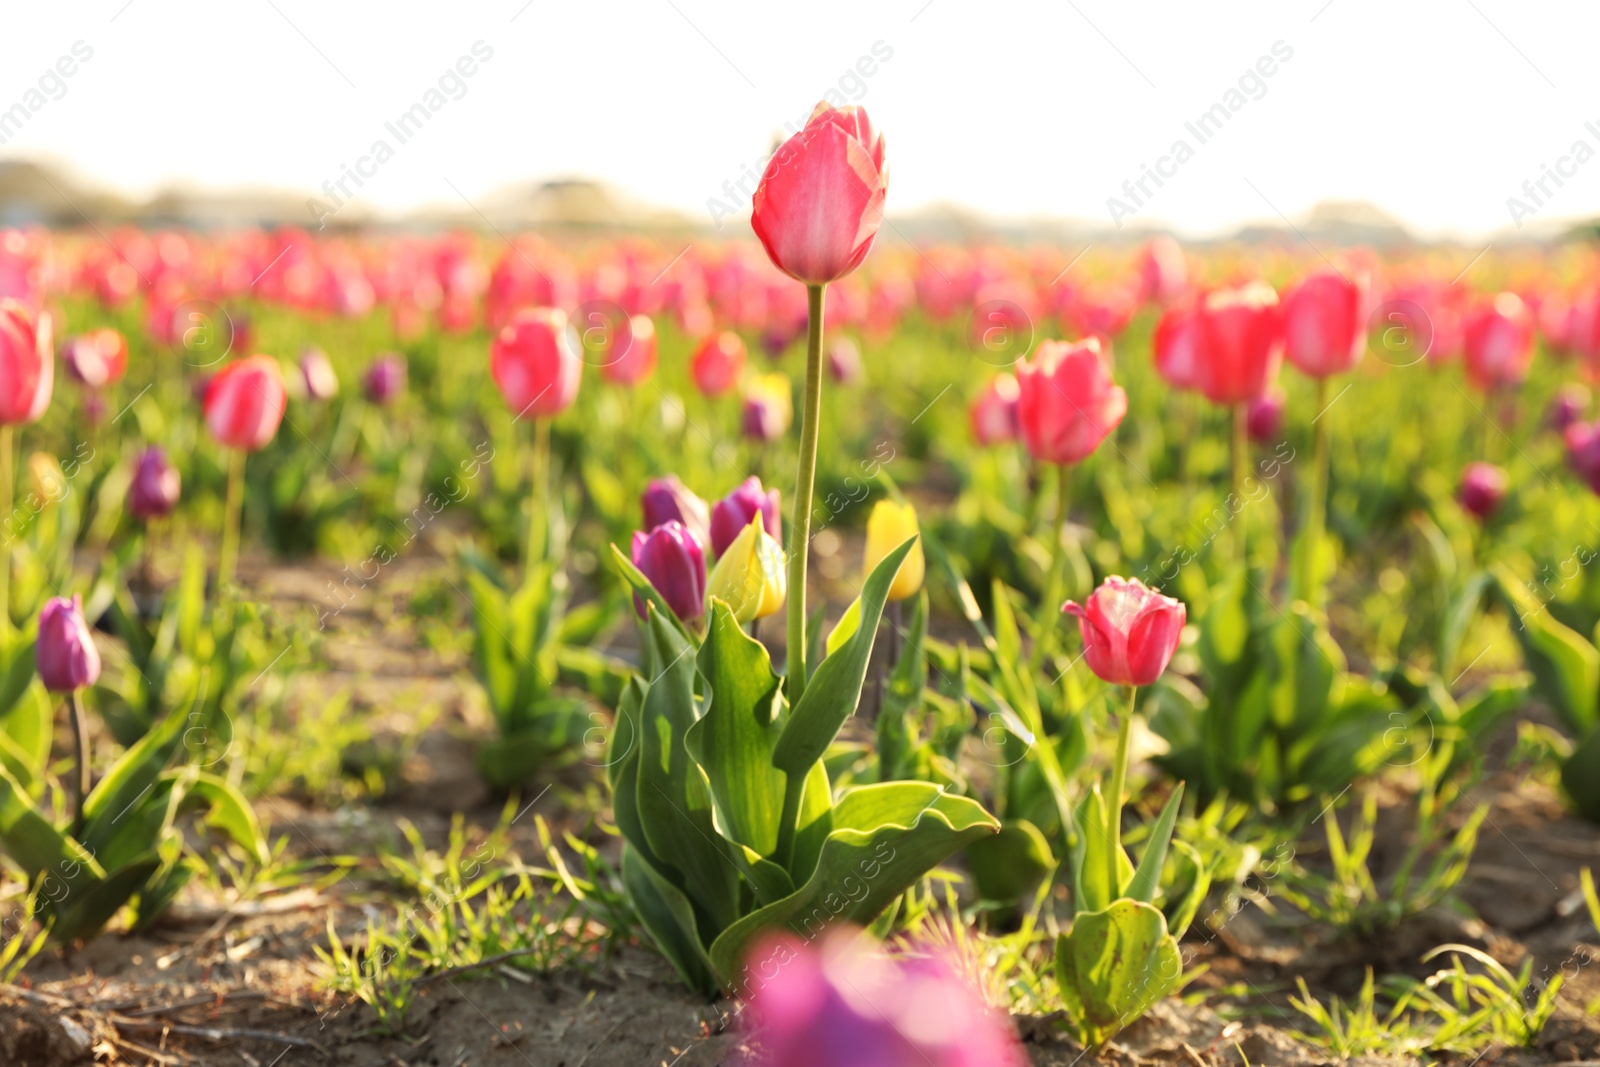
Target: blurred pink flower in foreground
pixel 843 1003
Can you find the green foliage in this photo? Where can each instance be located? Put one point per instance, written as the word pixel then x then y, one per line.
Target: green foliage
pixel 722 798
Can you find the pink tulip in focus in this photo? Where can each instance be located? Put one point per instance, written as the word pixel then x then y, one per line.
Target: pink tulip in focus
pixel 244 402
pixel 668 499
pixel 717 363
pixel 27 363
pixel 1324 323
pixel 841 1002
pixel 1129 631
pixel 731 514
pixel 994 414
pixel 534 363
pixel 820 201
pixel 674 561
pixel 1498 342
pixel 1067 401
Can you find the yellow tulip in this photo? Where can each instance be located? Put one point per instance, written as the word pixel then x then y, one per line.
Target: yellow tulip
pixel 888 527
pixel 750 577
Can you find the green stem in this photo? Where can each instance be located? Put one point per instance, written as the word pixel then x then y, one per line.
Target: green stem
pixel 231 518
pixel 800 532
pixel 1119 775
pixel 1044 627
pixel 1241 459
pixel 8 494
pixel 1317 521
pixel 539 499
pixel 80 744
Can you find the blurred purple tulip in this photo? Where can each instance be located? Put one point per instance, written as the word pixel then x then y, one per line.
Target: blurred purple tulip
pixel 65 652
pixel 1570 404
pixel 667 499
pixel 1264 417
pixel 733 513
pixel 1483 487
pixel 844 360
pixel 385 378
pixel 156 485
pixel 844 1005
pixel 671 557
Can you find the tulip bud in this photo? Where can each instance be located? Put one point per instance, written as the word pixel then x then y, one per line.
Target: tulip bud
pixel 1067 402
pixel 27 363
pixel 1175 344
pixel 1570 404
pixel 717 363
pixel 534 363
pixel 673 560
pixel 888 527
pixel 1264 416
pixel 994 412
pixel 65 652
pixel 385 378
pixel 1483 487
pixel 244 402
pixel 1129 631
pixel 1498 342
pixel 156 485
pixel 1324 323
pixel 733 513
pixel 317 378
pixel 1238 343
pixel 844 360
pixel 96 359
pixel 632 355
pixel 750 577
pixel 667 499
pixel 768 408
pixel 820 200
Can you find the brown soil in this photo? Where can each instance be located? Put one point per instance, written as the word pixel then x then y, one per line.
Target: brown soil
pixel 217 982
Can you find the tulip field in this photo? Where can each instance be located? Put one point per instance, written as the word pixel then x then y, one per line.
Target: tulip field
pixel 798 646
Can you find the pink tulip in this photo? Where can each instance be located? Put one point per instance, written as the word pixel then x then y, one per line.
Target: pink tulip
pixel 1129 631
pixel 1163 273
pixel 672 558
pixel 244 402
pixel 993 413
pixel 1324 327
pixel 96 359
pixel 156 485
pixel 1264 417
pixel 317 376
pixel 632 354
pixel 717 363
pixel 64 653
pixel 845 1004
pixel 843 360
pixel 1239 343
pixel 1176 347
pixel 385 378
pixel 534 363
pixel 1498 342
pixel 667 499
pixel 27 363
pixel 1067 402
pixel 820 201
pixel 1483 486
pixel 1570 404
pixel 731 514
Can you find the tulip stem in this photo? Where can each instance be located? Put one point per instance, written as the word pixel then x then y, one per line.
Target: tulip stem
pixel 539 502
pixel 800 532
pixel 1044 629
pixel 231 518
pixel 8 503
pixel 1316 524
pixel 80 744
pixel 1241 459
pixel 1119 775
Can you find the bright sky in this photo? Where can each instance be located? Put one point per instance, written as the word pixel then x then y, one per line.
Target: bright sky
pixel 1435 110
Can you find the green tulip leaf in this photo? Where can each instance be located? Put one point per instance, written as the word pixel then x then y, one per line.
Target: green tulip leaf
pixel 1565 665
pixel 1114 965
pixel 670 918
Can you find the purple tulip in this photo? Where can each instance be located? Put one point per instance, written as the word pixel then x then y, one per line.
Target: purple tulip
pixel 316 373
pixel 671 557
pixel 1583 451
pixel 1569 405
pixel 385 378
pixel 155 487
pixel 762 418
pixel 842 1005
pixel 733 513
pixel 1264 417
pixel 1483 486
pixel 65 652
pixel 844 360
pixel 667 499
